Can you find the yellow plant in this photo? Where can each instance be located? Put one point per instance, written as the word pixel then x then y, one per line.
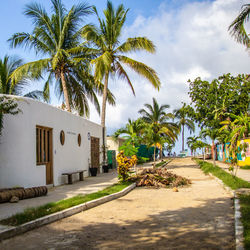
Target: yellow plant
pixel 124 165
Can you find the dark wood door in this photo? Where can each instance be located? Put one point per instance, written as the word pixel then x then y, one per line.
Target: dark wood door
pixel 44 151
pixel 95 152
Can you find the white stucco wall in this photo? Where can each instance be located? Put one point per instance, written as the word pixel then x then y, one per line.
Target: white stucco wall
pixel 18 144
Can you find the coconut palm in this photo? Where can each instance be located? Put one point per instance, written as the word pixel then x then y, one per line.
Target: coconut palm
pixel 57 38
pixel 192 143
pixel 7 66
pixel 133 131
pixel 237 29
pixel 110 51
pixel 157 116
pixel 213 134
pixel 183 121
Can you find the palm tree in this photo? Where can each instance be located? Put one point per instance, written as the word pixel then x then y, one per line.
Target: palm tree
pixel 213 134
pixel 184 121
pixel 110 51
pixel 237 29
pixel 133 131
pixel 7 66
pixel 158 125
pixel 192 143
pixel 57 38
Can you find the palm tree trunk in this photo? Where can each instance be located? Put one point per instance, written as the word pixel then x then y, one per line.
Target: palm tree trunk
pixel 65 91
pixel 154 156
pixel 213 148
pixel 183 137
pixel 103 115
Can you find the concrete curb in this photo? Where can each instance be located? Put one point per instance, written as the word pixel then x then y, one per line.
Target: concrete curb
pixel 13 231
pixel 238 227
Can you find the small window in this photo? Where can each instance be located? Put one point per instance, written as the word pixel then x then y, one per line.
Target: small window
pixel 62 137
pixel 79 140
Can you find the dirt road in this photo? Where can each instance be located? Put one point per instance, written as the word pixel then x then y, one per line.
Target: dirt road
pixel 197 217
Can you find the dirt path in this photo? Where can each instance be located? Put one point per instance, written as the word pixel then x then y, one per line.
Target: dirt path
pixel 197 217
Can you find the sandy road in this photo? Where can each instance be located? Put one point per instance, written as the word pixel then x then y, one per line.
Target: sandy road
pixel 197 217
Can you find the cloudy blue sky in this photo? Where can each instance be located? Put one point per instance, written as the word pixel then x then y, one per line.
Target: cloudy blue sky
pixel 191 39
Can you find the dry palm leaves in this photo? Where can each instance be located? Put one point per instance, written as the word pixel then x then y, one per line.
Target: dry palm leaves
pixel 158 178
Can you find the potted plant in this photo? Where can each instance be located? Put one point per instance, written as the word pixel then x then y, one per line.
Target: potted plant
pixel 92 170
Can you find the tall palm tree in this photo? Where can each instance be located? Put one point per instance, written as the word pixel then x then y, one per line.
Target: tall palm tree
pixel 57 38
pixel 159 127
pixel 110 51
pixel 183 121
pixel 237 29
pixel 7 66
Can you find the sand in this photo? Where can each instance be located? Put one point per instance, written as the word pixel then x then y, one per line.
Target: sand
pixel 199 216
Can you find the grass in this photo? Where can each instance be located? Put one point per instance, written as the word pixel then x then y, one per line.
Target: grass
pixel 247 167
pixel 245 218
pixel 161 163
pixel 53 207
pixel 227 178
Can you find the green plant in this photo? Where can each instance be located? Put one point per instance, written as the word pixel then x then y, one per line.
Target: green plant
pixel 232 181
pixel 111 52
pixel 124 165
pixel 53 207
pixel 237 29
pixel 245 218
pixel 128 149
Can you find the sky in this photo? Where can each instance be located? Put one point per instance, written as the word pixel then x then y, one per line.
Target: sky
pixel 191 39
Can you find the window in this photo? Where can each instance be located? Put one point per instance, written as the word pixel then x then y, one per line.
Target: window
pixel 43 145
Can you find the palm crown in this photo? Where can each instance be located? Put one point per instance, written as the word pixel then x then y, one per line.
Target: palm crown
pixel 58 39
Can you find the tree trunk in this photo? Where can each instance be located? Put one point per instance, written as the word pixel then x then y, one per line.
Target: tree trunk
pixel 65 91
pixel 154 156
pixel 213 148
pixel 183 137
pixel 103 115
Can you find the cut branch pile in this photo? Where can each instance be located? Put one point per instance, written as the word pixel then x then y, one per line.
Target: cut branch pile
pixel 158 178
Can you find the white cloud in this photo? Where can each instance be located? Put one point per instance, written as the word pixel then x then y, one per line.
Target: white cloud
pixel 191 41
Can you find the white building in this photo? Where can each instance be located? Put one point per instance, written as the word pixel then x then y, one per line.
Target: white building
pixel 42 142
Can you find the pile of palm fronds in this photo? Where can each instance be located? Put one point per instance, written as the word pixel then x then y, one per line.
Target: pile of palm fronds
pixel 159 177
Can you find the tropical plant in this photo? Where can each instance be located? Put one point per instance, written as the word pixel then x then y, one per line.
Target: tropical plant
pixel 192 143
pixel 159 129
pixel 7 106
pixel 238 129
pixel 7 66
pixel 213 134
pixel 182 115
pixel 57 38
pixel 132 131
pixel 106 44
pixel 237 28
pixel 227 94
pixel 124 165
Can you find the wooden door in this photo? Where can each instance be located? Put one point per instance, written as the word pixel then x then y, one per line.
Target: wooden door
pixel 44 151
pixel 95 152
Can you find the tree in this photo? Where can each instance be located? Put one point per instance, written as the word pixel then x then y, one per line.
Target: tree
pixel 227 94
pixel 213 134
pixel 7 66
pixel 237 29
pixel 237 129
pixel 192 143
pixel 132 130
pixel 182 114
pixel 159 129
pixel 106 44
pixel 57 38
